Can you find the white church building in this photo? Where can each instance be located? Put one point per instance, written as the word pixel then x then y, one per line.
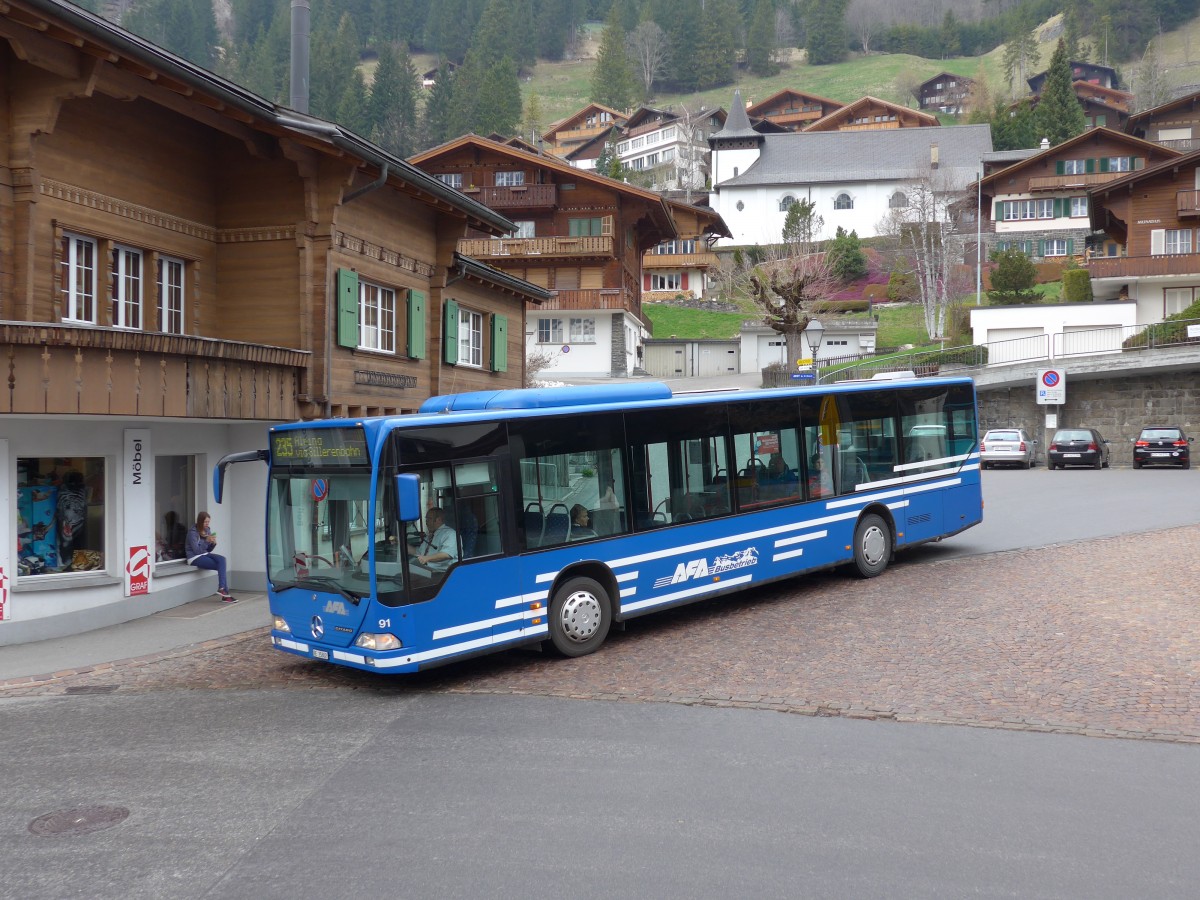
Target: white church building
pixel 855 177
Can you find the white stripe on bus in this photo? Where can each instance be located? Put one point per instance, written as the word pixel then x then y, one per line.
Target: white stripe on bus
pixel 350 657
pixel 690 592
pixel 522 598
pixel 292 645
pixel 788 555
pixel 464 647
pixel 813 536
pixel 484 623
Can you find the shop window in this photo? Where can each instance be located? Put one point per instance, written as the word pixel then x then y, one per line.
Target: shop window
pixel 60 515
pixel 174 505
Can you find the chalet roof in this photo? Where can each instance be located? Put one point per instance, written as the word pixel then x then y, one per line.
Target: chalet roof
pixel 644 113
pixel 103 39
pixel 591 148
pixel 891 154
pixel 580 116
pixel 657 205
pixel 738 123
pixel 704 214
pixel 756 109
pixel 1187 100
pixel 1059 149
pixel 847 112
pixel 1035 80
pixel 490 275
pixel 965 79
pixel 1012 156
pixel 1178 161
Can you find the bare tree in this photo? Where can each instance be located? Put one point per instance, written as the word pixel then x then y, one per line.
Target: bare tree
pixel 931 244
pixel 789 293
pixel 648 46
pixel 1150 88
pixel 536 362
pixel 865 19
pixel 693 159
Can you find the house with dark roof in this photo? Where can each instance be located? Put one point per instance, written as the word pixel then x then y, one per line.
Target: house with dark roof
pixel 873 114
pixel 945 92
pixel 856 178
pixel 792 109
pixel 1040 204
pixel 1174 124
pixel 568 133
pixel 1094 73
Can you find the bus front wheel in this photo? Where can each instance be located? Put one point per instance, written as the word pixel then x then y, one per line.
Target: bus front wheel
pixel 580 616
pixel 872 546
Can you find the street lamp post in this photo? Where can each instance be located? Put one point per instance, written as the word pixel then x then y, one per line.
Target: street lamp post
pixel 812 333
pixel 979 241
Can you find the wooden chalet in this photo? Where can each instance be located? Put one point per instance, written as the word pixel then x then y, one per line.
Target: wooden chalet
pixel 183 263
pixel 1150 219
pixel 579 235
pixel 871 113
pixel 580 127
pixel 1094 73
pixel 682 265
pixel 792 109
pixel 1174 124
pixel 1040 204
pixel 945 92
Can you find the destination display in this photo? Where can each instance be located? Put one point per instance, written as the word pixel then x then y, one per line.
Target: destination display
pixel 319 447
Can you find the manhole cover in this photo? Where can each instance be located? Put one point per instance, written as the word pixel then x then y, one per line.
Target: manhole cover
pixel 79 821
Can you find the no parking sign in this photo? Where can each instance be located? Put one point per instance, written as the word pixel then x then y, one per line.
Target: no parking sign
pixel 320 489
pixel 1051 387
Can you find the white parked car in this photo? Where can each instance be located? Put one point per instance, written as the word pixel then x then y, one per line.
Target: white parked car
pixel 1007 447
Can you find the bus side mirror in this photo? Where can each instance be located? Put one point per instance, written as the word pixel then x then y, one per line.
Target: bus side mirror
pixel 408 496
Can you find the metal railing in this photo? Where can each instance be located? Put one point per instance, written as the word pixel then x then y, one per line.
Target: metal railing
pixel 1048 347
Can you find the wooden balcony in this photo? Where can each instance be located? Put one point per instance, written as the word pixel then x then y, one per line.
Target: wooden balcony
pixel 603 298
pixel 679 260
pixel 526 196
pixel 1187 203
pixel 1144 266
pixel 1183 145
pixel 499 248
pixel 79 370
pixel 1063 182
pixel 795 116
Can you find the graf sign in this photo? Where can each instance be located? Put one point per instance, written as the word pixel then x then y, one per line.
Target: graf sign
pixel 1051 387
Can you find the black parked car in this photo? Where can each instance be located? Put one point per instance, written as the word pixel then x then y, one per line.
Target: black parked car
pixel 1077 447
pixel 1162 445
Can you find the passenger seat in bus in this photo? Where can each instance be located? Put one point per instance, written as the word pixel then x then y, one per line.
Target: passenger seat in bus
pixel 557 523
pixel 534 522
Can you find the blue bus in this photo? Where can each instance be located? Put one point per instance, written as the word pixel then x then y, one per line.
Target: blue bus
pixel 495 519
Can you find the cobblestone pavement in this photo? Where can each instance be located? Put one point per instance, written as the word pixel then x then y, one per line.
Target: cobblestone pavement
pixel 1096 638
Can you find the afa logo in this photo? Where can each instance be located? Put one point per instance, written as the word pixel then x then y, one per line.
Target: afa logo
pixel 701 568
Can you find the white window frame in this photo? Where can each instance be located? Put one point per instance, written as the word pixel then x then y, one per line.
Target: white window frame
pixel 549 331
pixel 526 228
pixel 510 178
pixel 470 338
pixel 172 293
pixel 376 317
pixel 1177 241
pixel 79 300
pixel 1079 207
pixel 1176 300
pixel 786 202
pixel 127 268
pixel 582 330
pixel 451 179
pixel 1119 164
pixel 1074 166
pixel 1056 247
pixel 837 201
pixel 665 281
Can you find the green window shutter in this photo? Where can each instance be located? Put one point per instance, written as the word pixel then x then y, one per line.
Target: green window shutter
pixel 1041 248
pixel 1060 167
pixel 450 332
pixel 1000 211
pixel 416 324
pixel 499 343
pixel 1132 163
pixel 1091 166
pixel 1057 207
pixel 1070 246
pixel 347 306
pixel 1104 164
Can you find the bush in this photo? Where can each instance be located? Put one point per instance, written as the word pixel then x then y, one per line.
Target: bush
pixel 1013 278
pixel 1076 286
pixel 901 286
pixel 1171 330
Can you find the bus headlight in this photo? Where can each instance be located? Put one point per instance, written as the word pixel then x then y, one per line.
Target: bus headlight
pixel 378 642
pixel 280 624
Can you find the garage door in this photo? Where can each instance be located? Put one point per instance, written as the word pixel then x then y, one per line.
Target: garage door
pixel 1016 344
pixel 665 360
pixel 772 348
pixel 716 359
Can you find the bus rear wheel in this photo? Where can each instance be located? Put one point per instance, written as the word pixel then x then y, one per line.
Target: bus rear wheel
pixel 580 616
pixel 872 546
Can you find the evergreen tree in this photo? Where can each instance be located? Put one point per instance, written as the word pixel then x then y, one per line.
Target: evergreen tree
pixel 760 41
pixel 845 257
pixel 1014 127
pixel 827 41
pixel 1078 49
pixel 613 79
pixel 352 107
pixel 435 120
pixel 392 105
pixel 1059 114
pixel 1013 278
pixel 1020 55
pixel 609 162
pixel 531 122
pixel 950 39
pixel 716 44
pixel 187 28
pixel 678 18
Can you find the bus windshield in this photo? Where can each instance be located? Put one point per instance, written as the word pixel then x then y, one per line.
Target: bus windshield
pixel 318 531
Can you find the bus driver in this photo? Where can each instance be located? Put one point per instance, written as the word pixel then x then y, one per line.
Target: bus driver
pixel 439 549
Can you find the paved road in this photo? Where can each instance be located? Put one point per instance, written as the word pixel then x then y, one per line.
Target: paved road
pixel 790 741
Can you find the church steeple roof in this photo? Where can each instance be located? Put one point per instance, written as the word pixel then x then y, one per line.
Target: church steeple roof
pixel 737 126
